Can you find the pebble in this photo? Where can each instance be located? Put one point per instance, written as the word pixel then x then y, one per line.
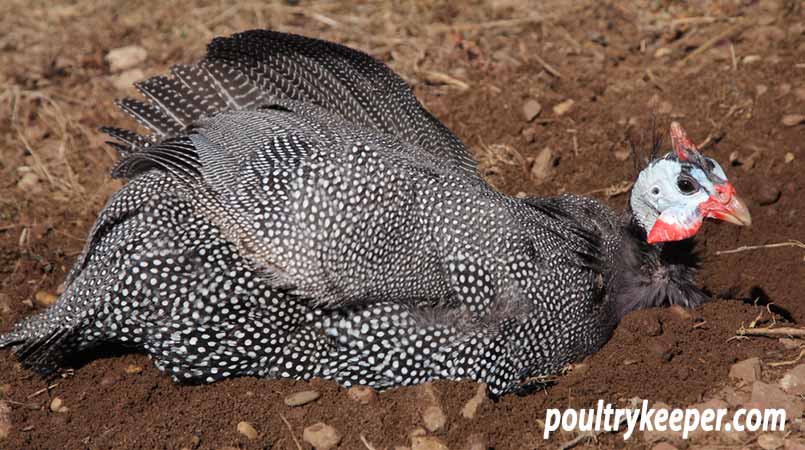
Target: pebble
pixel 476 441
pixel 789 157
pixel 791 120
pixel 563 108
pixel 663 446
pixel 427 443
pixel 246 429
pixel 125 80
pixel 132 369
pixel 542 165
pixel 751 59
pixel 29 183
pixel 747 370
pixel 761 89
pixel 770 396
pixel 662 52
pixel 5 420
pixel 433 416
pixel 301 398
pixel 470 409
pixel 43 299
pixel 123 58
pixel 622 155
pixel 362 394
pixel 531 109
pixel 800 93
pixel 770 441
pixel 767 194
pixel 57 405
pixel 321 436
pixel 793 382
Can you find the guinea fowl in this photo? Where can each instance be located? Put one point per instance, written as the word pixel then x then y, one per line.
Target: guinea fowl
pixel 297 213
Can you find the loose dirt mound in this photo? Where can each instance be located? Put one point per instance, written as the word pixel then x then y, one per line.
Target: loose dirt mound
pixel 733 75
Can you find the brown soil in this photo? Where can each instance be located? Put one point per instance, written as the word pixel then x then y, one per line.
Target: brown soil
pixel 57 91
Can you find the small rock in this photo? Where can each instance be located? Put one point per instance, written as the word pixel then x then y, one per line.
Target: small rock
pixel 43 299
pixel 563 108
pixel 531 109
pixel 789 157
pixel 301 398
pixel 29 183
pixel 680 312
pixel 123 58
pixel 5 420
pixel 470 408
pixel 246 429
pixel 427 443
pixel 542 165
pixel 663 446
pixel 783 89
pixel 767 194
pixel 761 89
pixel 747 370
pixel 362 394
pixel 57 405
pixel 476 441
pixel 791 444
pixel 434 418
pixel 768 441
pixel 770 396
pixel 800 93
pixel 662 52
pixel 734 397
pixel 125 80
pixel 792 120
pixel 793 382
pixel 132 369
pixel 321 436
pixel 622 155
pixel 751 59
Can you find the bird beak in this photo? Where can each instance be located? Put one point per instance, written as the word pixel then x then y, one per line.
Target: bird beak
pixel 725 205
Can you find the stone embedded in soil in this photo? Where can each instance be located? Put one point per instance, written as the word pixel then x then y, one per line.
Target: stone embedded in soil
pixel 560 109
pixel 57 405
pixel 662 52
pixel 125 80
pixel 542 165
pixel 792 120
pixel 362 394
pixel 800 93
pixel 768 441
pixel 470 408
pixel 433 416
pixel 132 369
pixel 663 446
pixel 427 443
pixel 123 58
pixel 751 59
pixel 5 420
pixel 769 396
pixel 747 370
pixel 29 183
pixel 248 430
pixel 321 436
pixel 476 441
pixel 531 109
pixel 793 382
pixel 301 398
pixel 767 194
pixel 734 397
pixel 43 299
pixel 788 157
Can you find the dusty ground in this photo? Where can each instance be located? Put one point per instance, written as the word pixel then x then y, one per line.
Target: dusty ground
pixel 730 71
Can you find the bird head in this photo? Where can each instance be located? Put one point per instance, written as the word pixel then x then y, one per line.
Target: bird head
pixel 675 193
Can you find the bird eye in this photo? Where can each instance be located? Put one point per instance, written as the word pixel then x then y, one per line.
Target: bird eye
pixel 655 190
pixel 686 185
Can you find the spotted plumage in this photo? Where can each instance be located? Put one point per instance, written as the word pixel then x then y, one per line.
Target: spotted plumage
pixel 297 213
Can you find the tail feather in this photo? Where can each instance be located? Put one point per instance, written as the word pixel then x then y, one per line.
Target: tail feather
pixel 254 68
pixel 41 341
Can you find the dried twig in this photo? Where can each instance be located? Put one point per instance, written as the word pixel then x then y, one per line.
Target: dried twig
pixel 290 430
pixel 788 363
pixel 730 33
pixel 746 248
pixel 432 76
pixel 487 25
pixel 549 68
pixel 773 332
pixel 616 189
pixel 366 443
pixel 42 391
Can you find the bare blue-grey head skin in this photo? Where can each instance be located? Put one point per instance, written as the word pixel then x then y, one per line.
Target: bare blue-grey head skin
pixel 297 213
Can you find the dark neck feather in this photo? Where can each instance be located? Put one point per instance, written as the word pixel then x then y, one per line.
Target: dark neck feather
pixel 650 276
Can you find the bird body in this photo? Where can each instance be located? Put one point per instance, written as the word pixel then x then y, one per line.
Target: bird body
pixel 297 213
